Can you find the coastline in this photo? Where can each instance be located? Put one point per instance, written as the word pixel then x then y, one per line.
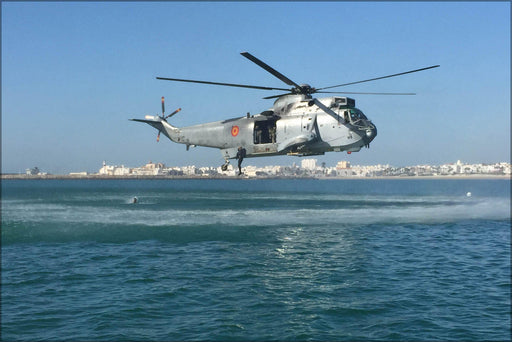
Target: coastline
pixel 169 177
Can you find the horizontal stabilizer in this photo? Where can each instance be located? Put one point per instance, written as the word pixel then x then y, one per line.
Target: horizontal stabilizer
pixel 155 123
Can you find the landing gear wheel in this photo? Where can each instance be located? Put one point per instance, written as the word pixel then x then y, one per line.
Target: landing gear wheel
pixel 224 166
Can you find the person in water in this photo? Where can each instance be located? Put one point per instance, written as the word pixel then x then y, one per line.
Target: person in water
pixel 240 155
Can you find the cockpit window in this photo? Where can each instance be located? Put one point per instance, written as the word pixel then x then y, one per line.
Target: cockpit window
pixel 356 115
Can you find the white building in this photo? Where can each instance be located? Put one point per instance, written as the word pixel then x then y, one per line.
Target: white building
pixel 34 171
pixel 79 174
pixel 111 170
pixel 343 165
pixel 190 170
pixel 308 164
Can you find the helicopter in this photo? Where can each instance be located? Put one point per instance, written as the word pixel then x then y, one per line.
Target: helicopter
pixel 297 124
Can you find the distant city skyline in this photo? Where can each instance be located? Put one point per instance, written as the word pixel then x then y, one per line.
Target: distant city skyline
pixel 342 168
pixel 90 66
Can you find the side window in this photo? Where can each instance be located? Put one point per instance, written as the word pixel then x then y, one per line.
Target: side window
pixel 345 116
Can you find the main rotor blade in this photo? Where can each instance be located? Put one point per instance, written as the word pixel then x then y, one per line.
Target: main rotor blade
pixel 361 93
pixel 222 84
pixel 340 92
pixel 276 96
pixel 270 69
pixel 379 78
pixel 326 109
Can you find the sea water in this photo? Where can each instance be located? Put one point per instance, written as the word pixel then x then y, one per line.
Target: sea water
pixel 256 260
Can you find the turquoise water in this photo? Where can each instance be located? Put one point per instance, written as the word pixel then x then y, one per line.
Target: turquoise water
pixel 256 260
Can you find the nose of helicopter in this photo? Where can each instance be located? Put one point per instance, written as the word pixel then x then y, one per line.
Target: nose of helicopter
pixel 371 133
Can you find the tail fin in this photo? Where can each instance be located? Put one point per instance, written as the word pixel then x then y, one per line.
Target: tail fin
pixel 154 121
pixel 161 125
pixel 157 121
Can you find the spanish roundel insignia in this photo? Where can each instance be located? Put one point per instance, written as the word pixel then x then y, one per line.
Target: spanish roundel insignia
pixel 235 130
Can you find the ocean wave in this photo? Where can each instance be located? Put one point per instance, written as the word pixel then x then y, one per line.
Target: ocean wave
pixel 275 210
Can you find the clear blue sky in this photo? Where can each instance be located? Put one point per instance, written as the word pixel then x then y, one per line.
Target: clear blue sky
pixel 74 73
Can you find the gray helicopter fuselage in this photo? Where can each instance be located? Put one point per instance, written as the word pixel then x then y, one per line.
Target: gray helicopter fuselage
pixel 296 125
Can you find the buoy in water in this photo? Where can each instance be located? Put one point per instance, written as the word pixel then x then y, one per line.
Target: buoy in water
pixel 468 194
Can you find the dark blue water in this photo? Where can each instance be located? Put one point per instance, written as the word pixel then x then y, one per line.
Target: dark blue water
pixel 256 260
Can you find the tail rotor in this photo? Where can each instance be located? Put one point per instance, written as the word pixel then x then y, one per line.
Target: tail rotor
pixel 164 117
pixel 163 106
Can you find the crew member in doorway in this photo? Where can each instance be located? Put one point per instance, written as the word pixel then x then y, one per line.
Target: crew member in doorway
pixel 258 136
pixel 240 155
pixel 272 133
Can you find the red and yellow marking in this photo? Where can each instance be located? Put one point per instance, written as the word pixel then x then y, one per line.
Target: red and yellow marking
pixel 235 130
